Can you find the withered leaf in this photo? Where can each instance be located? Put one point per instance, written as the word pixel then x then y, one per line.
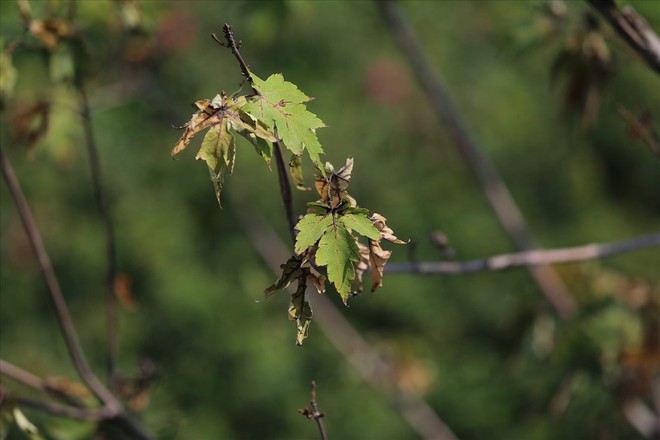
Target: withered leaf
pixel 290 271
pixel 300 311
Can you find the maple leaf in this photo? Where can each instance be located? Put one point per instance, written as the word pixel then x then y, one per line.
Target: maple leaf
pixel 337 250
pixel 300 311
pixel 295 170
pixel 360 224
pixel 290 270
pixel 218 150
pixel 377 255
pixel 280 105
pixel 310 228
pixel 208 114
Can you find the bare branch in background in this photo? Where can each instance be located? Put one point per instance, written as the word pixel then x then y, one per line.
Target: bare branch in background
pixel 504 206
pixel 529 258
pixel 633 29
pixel 313 413
pixel 112 409
pixel 61 309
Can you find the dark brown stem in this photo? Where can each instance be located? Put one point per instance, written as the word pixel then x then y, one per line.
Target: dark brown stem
pixel 498 195
pixel 59 304
pixel 634 30
pixel 110 247
pixel 234 47
pixel 285 188
pixel 529 258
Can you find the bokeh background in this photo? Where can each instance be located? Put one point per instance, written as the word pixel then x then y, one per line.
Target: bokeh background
pixel 485 350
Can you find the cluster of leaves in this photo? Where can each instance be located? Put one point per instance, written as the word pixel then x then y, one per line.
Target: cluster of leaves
pixel 276 112
pixel 326 247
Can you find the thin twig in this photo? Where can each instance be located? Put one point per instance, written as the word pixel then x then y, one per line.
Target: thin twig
pixel 313 413
pixel 529 258
pixel 634 30
pixel 111 253
pixel 498 195
pixel 234 47
pixel 63 316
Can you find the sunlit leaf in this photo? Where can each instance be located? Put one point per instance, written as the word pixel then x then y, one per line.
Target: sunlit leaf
pixel 26 426
pixel 360 224
pixel 310 228
pixel 280 104
pixel 337 250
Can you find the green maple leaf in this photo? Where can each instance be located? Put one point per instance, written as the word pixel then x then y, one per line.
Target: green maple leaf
pixel 310 228
pixel 361 224
pixel 280 105
pixel 338 250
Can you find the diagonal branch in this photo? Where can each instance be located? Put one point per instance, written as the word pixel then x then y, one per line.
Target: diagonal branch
pixel 22 376
pixel 501 201
pixel 529 258
pixel 313 413
pixel 59 303
pixel 633 29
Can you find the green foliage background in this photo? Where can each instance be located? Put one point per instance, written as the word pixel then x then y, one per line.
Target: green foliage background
pixel 228 365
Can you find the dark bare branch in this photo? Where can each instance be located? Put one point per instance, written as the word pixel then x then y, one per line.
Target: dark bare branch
pixel 234 47
pixel 633 29
pixel 59 304
pixel 498 195
pixel 529 258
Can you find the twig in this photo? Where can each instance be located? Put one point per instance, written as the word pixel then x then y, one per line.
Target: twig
pixel 361 355
pixel 529 258
pixel 634 30
pixel 234 47
pixel 59 304
pixel 111 253
pixel 501 201
pixel 313 413
pixel 285 188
